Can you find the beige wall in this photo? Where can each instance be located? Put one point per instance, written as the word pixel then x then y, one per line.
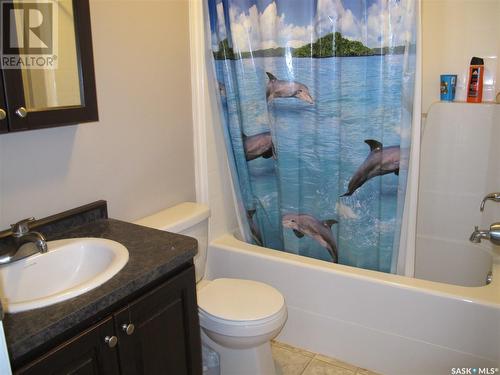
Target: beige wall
pixel 453 31
pixel 139 156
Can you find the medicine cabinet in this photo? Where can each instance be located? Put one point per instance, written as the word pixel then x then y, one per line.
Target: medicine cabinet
pixel 47 69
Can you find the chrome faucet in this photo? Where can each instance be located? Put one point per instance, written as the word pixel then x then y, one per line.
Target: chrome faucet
pixel 490 197
pixel 21 234
pixel 493 234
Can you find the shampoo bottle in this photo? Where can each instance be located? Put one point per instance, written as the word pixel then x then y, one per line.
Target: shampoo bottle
pixel 476 75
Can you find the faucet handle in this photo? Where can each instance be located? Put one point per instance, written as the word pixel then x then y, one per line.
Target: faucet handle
pixel 491 196
pixel 21 227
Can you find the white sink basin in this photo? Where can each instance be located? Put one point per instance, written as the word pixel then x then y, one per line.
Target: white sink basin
pixel 69 268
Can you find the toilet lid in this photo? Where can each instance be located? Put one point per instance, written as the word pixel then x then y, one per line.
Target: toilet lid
pixel 240 300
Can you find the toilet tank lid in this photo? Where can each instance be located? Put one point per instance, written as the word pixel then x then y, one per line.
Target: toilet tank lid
pixel 177 218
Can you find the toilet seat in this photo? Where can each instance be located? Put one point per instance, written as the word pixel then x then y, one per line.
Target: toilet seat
pixel 236 307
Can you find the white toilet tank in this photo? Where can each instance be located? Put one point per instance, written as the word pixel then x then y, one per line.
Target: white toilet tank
pixel 188 218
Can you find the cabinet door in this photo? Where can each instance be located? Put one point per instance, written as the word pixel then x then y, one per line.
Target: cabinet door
pixel 166 339
pixel 86 354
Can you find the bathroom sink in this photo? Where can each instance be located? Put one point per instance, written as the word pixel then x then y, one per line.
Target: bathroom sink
pixel 69 268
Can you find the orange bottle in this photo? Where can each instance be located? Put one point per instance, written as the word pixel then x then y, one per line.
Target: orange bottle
pixel 476 75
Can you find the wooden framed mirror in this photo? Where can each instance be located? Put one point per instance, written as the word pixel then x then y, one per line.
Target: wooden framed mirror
pixel 43 96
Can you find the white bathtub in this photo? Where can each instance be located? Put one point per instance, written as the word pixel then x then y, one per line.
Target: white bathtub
pixel 387 323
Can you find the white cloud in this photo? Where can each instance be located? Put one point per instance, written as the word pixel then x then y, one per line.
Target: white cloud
pixel 331 16
pixel 388 22
pixel 253 30
pixel 384 23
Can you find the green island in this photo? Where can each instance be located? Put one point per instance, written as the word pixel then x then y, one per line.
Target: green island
pixel 330 45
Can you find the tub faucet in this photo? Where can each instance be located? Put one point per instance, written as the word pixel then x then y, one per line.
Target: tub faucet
pixel 493 234
pixel 490 197
pixel 11 246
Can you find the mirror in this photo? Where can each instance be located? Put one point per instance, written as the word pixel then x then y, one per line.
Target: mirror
pixel 46 89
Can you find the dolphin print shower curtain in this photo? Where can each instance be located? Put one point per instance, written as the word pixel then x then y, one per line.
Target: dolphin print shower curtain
pixel 316 101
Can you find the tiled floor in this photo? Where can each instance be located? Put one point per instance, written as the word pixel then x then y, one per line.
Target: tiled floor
pixel 295 361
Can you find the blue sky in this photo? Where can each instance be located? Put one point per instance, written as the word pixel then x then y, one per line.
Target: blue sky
pixel 298 12
pixel 257 24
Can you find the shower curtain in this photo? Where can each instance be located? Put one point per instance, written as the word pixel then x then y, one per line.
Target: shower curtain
pixel 316 98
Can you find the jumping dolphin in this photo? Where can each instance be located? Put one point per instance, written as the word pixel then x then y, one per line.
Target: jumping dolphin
pixel 286 89
pixel 381 160
pixel 254 229
pixel 258 145
pixel 321 231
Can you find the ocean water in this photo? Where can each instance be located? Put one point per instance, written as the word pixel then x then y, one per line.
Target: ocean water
pixel 318 146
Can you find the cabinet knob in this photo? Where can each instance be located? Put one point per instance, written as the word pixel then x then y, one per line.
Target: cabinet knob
pixel 21 112
pixel 128 328
pixel 3 114
pixel 111 341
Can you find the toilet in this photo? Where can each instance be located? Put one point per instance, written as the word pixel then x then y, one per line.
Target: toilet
pixel 238 318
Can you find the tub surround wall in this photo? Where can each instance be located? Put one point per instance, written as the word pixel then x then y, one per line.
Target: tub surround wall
pixel 139 156
pixel 491 211
pixel 458 168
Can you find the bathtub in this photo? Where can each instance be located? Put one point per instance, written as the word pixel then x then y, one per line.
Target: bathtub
pixel 387 323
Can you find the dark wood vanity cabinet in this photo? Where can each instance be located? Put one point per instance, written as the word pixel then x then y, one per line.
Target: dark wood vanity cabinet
pixel 158 333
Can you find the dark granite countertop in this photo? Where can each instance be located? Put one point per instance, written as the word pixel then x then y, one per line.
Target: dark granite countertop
pixel 152 254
